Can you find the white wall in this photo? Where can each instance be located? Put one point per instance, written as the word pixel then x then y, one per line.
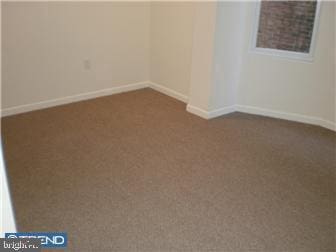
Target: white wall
pixel 45 46
pixel 198 51
pixel 306 89
pixel 201 76
pixel 171 44
pixel 227 53
pixel 7 222
pixel 226 76
pixel 217 46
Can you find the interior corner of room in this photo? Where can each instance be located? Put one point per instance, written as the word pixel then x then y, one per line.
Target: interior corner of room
pixel 199 53
pixel 185 100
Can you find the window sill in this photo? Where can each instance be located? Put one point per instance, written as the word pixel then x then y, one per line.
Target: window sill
pixel 296 56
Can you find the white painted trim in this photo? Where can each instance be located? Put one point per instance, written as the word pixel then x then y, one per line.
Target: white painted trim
pixel 326 124
pixel 7 218
pixel 210 114
pixel 198 111
pixel 169 92
pixel 73 98
pixel 222 111
pixel 263 112
pixel 91 95
pixel 190 108
pixel 307 57
pixel 286 116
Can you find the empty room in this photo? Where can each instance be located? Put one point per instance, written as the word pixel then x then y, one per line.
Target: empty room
pixel 168 126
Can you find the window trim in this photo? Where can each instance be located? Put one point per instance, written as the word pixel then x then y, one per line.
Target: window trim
pixel 308 57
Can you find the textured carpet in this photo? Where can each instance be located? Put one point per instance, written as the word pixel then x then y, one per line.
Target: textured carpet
pixel 136 172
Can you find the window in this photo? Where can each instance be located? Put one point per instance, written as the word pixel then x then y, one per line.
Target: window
pixel 286 28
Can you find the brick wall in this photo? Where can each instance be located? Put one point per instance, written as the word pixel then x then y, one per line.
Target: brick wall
pixel 286 25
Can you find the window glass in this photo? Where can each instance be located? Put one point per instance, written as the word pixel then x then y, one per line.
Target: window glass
pixel 286 25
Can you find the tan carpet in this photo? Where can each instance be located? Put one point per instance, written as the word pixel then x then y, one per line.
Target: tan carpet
pixel 136 172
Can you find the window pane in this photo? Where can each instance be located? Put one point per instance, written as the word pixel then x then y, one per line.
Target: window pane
pixel 286 25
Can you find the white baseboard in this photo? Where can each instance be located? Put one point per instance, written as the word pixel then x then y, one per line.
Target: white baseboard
pixel 210 114
pixel 286 116
pixel 190 108
pixel 90 95
pixel 222 111
pixel 73 98
pixel 261 111
pixel 169 92
pixel 198 111
pixel 327 124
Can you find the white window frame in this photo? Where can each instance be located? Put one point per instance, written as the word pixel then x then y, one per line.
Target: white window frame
pixel 309 57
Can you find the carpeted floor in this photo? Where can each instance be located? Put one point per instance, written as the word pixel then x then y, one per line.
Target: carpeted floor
pixel 136 172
